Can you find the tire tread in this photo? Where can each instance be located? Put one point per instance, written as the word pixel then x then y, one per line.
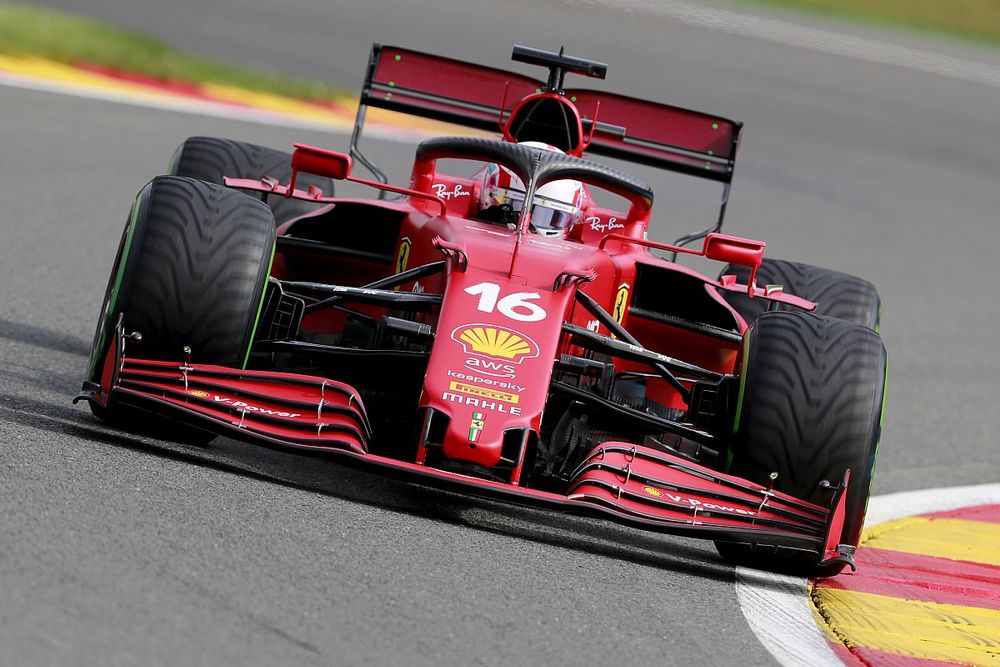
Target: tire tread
pixel 200 270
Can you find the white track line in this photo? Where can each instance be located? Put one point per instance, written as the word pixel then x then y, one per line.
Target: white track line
pixel 746 24
pixel 777 607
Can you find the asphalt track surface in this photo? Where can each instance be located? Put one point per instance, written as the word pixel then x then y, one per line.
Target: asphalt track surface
pixel 120 549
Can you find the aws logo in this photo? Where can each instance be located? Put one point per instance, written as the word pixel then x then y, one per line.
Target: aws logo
pixel 484 366
pixel 495 342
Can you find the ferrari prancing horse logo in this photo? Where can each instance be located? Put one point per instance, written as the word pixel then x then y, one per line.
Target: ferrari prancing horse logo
pixel 404 254
pixel 621 302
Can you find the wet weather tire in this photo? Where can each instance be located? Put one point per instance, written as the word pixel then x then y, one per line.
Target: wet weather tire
pixel 836 294
pixel 809 409
pixel 210 159
pixel 191 270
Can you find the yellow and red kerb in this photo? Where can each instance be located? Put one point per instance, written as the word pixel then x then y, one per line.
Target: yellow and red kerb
pixel 927 592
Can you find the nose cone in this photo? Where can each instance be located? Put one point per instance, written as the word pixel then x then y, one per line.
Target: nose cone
pixel 492 361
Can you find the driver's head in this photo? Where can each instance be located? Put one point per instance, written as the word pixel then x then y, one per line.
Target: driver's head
pixel 556 206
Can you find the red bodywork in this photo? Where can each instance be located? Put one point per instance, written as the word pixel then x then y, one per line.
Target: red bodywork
pixel 508 320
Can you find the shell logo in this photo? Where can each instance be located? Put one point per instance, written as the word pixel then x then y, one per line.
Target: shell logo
pixel 496 342
pixel 656 493
pixel 199 393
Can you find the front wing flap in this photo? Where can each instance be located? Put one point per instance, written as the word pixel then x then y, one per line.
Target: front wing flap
pixel 284 408
pixel 647 483
pixel 303 412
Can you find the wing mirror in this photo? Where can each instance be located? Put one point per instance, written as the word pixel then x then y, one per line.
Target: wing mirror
pixel 337 166
pixel 735 250
pixel 321 162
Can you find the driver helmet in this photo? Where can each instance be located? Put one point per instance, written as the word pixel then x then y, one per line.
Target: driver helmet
pixel 556 207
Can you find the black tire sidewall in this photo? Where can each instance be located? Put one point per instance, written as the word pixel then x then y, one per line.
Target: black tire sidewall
pixel 122 269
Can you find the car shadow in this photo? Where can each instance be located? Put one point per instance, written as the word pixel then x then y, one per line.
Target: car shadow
pixel 323 476
pixel 43 337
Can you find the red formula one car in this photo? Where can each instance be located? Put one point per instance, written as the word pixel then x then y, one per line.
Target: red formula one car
pixel 503 333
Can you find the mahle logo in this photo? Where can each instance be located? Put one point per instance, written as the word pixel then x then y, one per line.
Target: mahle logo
pixel 496 342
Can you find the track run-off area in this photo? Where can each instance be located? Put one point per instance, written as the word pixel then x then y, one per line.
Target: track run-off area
pixel 927 590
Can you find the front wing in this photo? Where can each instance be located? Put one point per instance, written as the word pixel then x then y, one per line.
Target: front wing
pixel 623 482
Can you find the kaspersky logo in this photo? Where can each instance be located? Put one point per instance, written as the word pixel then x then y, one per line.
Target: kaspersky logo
pixel 495 342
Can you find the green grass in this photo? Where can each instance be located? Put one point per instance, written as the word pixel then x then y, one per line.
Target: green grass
pixel 71 39
pixel 975 19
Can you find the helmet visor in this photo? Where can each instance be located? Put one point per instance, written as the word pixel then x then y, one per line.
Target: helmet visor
pixel 543 217
pixel 553 214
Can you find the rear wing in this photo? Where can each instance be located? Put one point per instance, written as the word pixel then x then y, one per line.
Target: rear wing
pixel 481 97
